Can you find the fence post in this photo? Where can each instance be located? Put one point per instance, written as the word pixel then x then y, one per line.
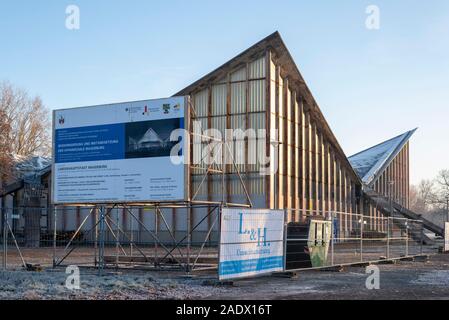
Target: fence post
pixel 362 222
pixel 406 238
pixel 5 238
pixel 285 238
pixel 332 238
pixel 102 240
pixel 117 238
pixel 189 237
pixel 156 247
pixel 131 236
pixel 388 237
pixel 55 235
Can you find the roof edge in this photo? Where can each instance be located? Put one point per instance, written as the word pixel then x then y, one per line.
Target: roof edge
pixel 387 162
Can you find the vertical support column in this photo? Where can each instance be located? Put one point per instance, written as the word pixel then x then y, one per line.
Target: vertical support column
pixel 334 183
pixel 408 174
pixel 313 180
pixel 388 237
pixel 344 201
pixel 349 200
pixel 268 87
pixel 245 166
pixel 323 176
pixel 329 177
pixel 189 236
pixel 96 236
pixel 404 185
pixel 101 240
pixel 339 190
pixel 117 237
pixel 229 168
pixel 209 126
pixel 278 173
pixel 156 232
pixel 287 144
pixel 296 164
pixel 303 162
pixel 309 164
pixel 141 215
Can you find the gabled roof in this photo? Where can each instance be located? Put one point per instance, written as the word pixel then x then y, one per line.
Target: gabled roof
pixel 370 163
pixel 280 54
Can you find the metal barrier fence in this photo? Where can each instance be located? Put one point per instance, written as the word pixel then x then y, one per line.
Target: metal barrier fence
pixel 161 237
pixel 153 237
pixel 337 238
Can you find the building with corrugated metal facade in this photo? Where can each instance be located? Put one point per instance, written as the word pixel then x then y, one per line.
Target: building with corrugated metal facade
pixel 262 89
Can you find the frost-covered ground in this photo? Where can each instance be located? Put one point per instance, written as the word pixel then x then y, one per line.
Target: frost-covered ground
pixel 404 280
pixel 137 286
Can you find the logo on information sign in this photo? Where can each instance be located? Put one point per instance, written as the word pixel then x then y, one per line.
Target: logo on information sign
pixel 259 234
pixel 61 120
pixel 166 108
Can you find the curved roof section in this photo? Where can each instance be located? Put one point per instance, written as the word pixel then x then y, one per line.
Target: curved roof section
pixel 370 163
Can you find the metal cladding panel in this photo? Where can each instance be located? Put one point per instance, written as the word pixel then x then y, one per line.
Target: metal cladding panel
pixel 181 220
pixel 196 188
pixel 257 95
pixel 256 148
pixel 203 123
pixel 219 123
pixel 257 120
pixel 257 69
pixel 256 184
pixel 236 187
pixel 219 97
pixel 238 146
pixel 239 75
pixel 238 121
pixel 201 103
pixel 199 147
pixel 238 97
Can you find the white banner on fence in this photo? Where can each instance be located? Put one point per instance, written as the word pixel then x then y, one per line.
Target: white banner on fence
pixel 446 237
pixel 251 242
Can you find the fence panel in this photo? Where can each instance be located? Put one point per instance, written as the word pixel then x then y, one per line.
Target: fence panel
pixel 185 237
pixel 354 238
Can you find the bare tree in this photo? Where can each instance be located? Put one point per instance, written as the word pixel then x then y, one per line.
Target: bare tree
pixel 422 196
pixel 5 150
pixel 442 194
pixel 28 119
pixel 426 192
pixel 416 203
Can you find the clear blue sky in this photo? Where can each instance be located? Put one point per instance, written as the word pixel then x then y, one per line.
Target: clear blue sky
pixel 370 85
